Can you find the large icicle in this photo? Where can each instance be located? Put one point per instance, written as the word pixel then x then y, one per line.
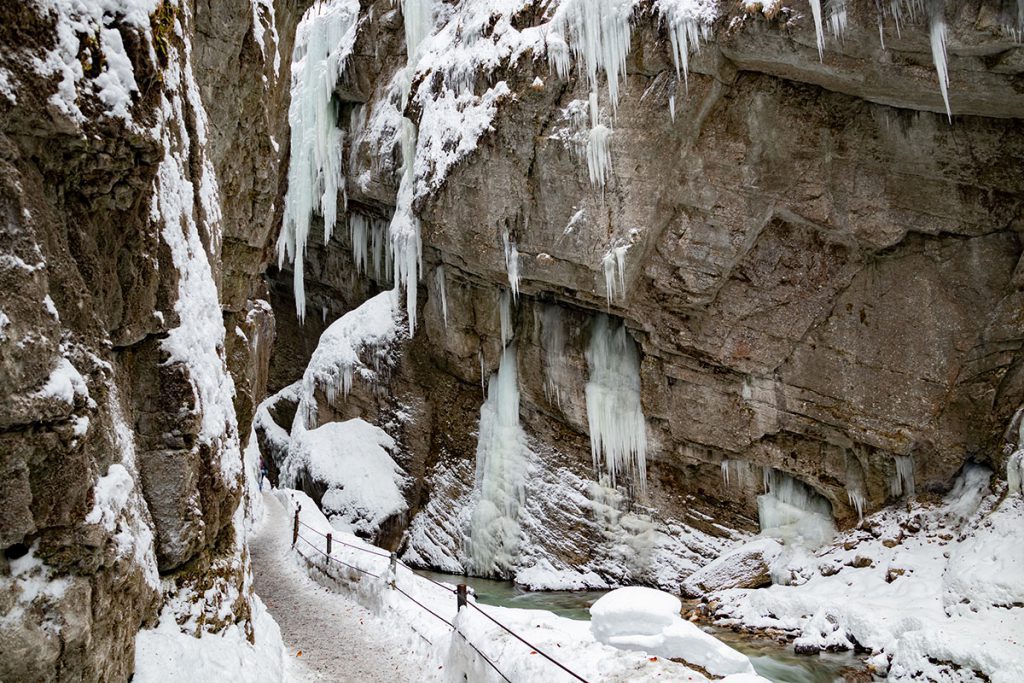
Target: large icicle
pixel 502 464
pixel 406 244
pixel 552 341
pixel 903 479
pixel 618 431
pixel 937 34
pixel 511 262
pixel 323 41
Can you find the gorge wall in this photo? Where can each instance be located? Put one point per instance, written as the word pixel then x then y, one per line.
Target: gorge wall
pixel 819 265
pixel 138 191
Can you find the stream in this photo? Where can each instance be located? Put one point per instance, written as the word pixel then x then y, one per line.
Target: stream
pixel 775 661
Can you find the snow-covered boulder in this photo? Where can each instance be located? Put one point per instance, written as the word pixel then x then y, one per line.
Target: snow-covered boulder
pixel 648 620
pixel 748 566
pixel 350 463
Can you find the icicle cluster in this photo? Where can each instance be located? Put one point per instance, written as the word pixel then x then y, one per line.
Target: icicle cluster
pixel 618 431
pixel 370 244
pixel 406 244
pixel 903 479
pixel 614 265
pixel 688 21
pixel 511 262
pixel 502 463
pixel 323 42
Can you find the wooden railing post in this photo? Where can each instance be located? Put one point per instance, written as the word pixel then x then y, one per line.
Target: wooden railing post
pixel 328 544
pixel 295 528
pixel 460 596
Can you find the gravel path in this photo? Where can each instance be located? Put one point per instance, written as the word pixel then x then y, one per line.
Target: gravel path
pixel 340 640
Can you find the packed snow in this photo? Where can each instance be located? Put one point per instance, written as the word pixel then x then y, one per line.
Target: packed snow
pixel 450 655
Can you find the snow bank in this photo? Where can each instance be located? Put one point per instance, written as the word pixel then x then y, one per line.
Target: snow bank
pixel 648 620
pixel 450 655
pixel 352 460
pixel 165 652
pixel 929 589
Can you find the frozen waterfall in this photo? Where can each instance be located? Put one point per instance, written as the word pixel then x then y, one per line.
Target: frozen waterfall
pixel 793 511
pixel 502 465
pixel 323 41
pixel 618 431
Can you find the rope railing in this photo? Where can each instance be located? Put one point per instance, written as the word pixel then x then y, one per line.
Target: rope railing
pixel 460 593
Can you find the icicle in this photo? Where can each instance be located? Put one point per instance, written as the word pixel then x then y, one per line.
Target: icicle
pixel 837 19
pixel 1015 470
pixel 614 265
pixel 406 243
pixel 688 21
pixel 672 107
pixel 442 291
pixel 857 501
pixel 505 316
pixel 511 263
pixel 599 33
pixel 725 472
pixel 618 431
pixel 937 33
pixel 323 42
pixel 483 372
pixel 903 480
pixel 502 463
pixel 552 341
pixel 819 28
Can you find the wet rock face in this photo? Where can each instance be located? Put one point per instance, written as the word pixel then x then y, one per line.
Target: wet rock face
pixel 823 271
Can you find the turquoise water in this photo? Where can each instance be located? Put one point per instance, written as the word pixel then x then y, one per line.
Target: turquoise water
pixel 775 661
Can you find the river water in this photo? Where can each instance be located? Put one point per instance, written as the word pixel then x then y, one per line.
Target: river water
pixel 775 661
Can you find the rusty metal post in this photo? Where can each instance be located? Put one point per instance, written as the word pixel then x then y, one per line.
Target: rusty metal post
pixel 460 596
pixel 328 544
pixel 295 528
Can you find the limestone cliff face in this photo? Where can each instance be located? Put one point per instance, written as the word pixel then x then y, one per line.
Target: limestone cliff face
pixel 137 194
pixel 821 269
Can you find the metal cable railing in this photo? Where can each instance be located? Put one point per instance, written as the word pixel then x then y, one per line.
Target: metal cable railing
pixel 460 592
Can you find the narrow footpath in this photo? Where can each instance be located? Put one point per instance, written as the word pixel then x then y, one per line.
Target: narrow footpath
pixel 340 640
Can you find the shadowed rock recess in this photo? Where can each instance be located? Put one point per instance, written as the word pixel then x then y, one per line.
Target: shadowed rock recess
pixel 724 248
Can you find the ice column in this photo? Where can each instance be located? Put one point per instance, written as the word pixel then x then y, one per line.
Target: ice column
pixel 552 341
pixel 502 463
pixel 323 41
pixel 618 433
pixel 793 511
pixel 903 479
pixel 442 291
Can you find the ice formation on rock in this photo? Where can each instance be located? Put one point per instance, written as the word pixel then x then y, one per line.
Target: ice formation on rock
pixel 793 511
pixel 618 433
pixel 365 331
pixel 937 36
pixel 323 41
pixel 689 21
pixel 614 265
pixel 502 465
pixel 370 244
pixel 552 340
pixel 505 316
pixel 442 291
pixel 903 479
pixel 511 262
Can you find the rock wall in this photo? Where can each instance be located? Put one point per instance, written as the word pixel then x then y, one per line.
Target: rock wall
pixel 138 191
pixel 821 269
